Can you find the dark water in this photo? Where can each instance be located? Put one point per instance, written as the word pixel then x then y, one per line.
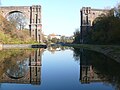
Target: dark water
pixel 57 69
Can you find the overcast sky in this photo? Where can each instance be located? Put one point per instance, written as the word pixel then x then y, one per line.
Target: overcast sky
pixel 61 16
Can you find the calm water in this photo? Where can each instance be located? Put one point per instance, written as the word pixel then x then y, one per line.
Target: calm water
pixel 57 69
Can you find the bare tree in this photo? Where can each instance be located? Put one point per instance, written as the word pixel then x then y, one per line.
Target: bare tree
pixel 117 10
pixel 18 20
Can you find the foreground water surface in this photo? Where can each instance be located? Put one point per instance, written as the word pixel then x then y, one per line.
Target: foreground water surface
pixel 57 69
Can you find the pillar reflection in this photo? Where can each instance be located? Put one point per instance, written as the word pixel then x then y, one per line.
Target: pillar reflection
pixel 87 72
pixel 35 63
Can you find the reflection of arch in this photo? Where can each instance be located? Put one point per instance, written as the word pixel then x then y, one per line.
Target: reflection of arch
pixel 32 62
pixel 12 77
pixel 18 70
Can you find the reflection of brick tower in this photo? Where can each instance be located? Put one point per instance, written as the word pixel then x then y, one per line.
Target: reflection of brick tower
pixel 35 67
pixel 87 72
pixel 35 23
pixel 84 68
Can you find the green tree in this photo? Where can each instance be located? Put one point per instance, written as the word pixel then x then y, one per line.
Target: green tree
pixel 117 10
pixel 62 39
pixel 105 29
pixel 77 36
pixel 54 40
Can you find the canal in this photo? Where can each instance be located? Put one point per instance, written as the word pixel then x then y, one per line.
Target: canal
pixel 57 68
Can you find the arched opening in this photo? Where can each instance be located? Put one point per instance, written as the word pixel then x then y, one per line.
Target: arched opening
pixel 18 19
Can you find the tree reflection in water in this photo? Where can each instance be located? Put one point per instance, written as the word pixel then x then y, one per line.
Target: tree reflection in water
pixel 97 67
pixel 16 63
pixel 21 66
pixel 18 70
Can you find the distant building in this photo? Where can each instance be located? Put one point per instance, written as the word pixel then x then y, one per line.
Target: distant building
pixel 88 15
pixel 51 36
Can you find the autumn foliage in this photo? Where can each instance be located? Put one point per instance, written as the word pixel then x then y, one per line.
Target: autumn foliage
pixel 10 35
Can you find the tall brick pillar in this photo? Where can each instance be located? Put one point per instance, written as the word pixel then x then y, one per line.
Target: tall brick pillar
pixel 35 23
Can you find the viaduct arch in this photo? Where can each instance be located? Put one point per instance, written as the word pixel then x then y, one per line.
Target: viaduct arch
pixel 32 13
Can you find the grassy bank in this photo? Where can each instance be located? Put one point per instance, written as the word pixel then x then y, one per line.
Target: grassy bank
pixel 9 34
pixel 112 51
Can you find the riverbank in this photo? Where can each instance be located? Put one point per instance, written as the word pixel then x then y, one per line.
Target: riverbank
pixel 112 51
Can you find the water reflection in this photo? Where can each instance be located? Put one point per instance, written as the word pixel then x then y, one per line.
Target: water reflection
pixel 21 66
pixel 96 67
pixel 59 70
pixel 56 48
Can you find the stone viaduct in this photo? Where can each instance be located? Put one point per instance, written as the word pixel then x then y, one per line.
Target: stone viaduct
pixel 32 13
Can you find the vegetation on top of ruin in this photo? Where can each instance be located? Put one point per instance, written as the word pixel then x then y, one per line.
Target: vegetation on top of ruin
pixel 105 30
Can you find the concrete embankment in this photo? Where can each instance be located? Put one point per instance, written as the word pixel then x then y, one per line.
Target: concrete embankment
pixel 112 51
pixel 22 46
pixel 14 46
